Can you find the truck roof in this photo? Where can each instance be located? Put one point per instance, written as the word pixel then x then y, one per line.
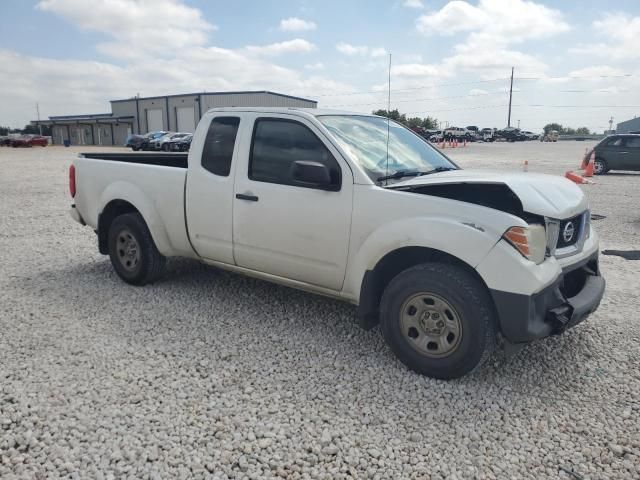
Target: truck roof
pixel 310 111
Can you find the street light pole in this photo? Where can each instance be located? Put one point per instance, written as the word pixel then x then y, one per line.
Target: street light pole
pixel 510 96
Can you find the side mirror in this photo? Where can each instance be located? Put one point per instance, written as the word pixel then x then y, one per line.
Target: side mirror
pixel 311 174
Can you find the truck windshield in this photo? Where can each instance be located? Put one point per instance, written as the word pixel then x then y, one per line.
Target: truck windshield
pixel 364 139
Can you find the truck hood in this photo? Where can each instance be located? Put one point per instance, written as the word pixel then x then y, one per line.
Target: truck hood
pixel 540 194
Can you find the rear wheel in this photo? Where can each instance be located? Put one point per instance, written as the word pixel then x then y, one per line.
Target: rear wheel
pixel 439 320
pixel 132 251
pixel 600 166
pixel 165 147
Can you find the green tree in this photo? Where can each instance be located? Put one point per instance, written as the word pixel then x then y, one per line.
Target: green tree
pixel 553 126
pixel 583 131
pixel 569 131
pixel 429 123
pixel 414 122
pixel 4 131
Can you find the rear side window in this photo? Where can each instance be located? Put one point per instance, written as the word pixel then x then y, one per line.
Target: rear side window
pixel 278 143
pixel 614 142
pixel 218 146
pixel 633 142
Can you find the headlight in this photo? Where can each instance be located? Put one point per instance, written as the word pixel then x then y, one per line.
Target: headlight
pixel 530 241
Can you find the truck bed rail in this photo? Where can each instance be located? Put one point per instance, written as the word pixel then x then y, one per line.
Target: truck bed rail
pixel 176 160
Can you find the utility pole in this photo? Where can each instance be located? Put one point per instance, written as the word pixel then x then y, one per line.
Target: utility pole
pixel 510 96
pixel 610 124
pixel 518 123
pixel 38 112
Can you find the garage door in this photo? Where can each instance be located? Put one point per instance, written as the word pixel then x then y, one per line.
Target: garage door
pixel 186 119
pixel 154 120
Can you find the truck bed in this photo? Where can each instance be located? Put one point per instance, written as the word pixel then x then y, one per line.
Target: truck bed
pixel 177 160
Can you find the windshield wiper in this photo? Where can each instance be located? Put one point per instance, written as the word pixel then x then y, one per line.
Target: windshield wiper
pixel 438 169
pixel 413 173
pixel 400 174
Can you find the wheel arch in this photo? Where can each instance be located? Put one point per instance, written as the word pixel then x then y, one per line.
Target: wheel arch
pixel 389 266
pixel 109 213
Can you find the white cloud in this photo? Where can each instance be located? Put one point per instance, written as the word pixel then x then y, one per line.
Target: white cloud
pixel 351 50
pixel 596 71
pixel 295 24
pixel 413 4
pixel 622 33
pixel 137 26
pixel 362 50
pixel 297 45
pixel 503 21
pixel 314 66
pixel 417 70
pixel 78 87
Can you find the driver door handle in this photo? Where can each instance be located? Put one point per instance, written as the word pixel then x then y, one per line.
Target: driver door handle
pixel 246 196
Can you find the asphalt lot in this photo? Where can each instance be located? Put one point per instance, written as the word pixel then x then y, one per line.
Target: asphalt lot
pixel 209 374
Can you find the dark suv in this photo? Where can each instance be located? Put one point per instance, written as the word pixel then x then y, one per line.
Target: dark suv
pixel 616 152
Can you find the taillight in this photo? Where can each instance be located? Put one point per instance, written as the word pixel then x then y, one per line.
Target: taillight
pixel 72 181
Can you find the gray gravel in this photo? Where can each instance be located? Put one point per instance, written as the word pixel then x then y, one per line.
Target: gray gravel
pixel 208 374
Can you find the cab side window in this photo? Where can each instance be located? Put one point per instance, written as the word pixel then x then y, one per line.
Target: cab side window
pixel 633 142
pixel 278 143
pixel 218 145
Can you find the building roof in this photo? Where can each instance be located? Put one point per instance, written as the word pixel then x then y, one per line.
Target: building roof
pixel 247 92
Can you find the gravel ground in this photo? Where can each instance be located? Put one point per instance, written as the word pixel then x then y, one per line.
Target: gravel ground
pixel 209 374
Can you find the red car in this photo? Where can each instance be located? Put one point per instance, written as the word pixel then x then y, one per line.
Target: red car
pixel 29 141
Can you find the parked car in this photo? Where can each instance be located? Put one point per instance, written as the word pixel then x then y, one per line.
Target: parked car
pixel 616 152
pixel 551 136
pixel 180 144
pixel 511 134
pixel 488 134
pixel 151 137
pixel 162 143
pixel 29 141
pixel 530 135
pixel 5 141
pixel 433 135
pixel 456 133
pixel 360 209
pixel 135 142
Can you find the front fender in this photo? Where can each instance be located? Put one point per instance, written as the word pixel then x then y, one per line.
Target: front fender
pixel 464 240
pixel 123 190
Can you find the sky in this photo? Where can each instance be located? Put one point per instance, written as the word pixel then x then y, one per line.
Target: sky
pixel 575 62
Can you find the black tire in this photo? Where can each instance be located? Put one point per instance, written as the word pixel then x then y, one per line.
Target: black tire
pixel 165 147
pixel 147 263
pixel 134 148
pixel 472 308
pixel 600 167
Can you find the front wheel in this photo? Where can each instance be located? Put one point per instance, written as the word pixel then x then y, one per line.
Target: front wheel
pixel 439 320
pixel 132 251
pixel 599 166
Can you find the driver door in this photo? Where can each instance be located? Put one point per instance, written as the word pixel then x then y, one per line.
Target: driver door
pixel 283 228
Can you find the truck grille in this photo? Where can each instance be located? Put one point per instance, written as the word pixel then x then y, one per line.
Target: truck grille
pixel 569 231
pixel 566 237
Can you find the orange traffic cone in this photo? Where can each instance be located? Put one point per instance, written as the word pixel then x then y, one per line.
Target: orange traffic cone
pixel 525 166
pixel 574 177
pixel 588 171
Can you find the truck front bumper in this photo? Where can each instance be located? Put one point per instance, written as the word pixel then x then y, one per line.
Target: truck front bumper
pixel 571 298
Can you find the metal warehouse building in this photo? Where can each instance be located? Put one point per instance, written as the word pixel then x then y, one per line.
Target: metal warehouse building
pixel 147 114
pixel 627 126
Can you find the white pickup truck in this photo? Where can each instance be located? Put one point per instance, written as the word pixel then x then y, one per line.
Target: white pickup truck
pixel 356 208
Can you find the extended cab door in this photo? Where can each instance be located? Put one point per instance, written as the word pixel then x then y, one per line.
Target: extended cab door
pixel 280 226
pixel 209 195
